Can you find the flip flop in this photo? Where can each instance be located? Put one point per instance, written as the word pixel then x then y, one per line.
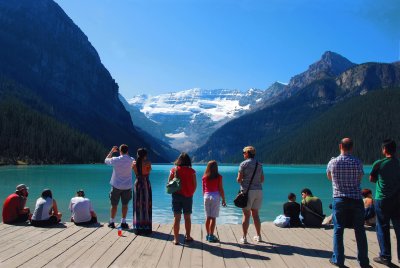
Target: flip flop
pixel 175 242
pixel 188 239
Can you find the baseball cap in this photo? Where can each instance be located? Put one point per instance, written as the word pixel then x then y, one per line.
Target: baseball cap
pixel 21 187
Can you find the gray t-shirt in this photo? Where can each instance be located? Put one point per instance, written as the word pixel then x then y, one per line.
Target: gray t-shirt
pixel 247 169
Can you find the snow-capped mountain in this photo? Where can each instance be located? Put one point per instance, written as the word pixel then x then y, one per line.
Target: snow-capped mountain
pixel 187 118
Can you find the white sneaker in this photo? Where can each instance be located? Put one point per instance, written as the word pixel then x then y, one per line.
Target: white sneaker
pixel 243 240
pixel 257 238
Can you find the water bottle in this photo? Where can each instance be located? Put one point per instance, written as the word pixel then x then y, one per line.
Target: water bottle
pixel 119 231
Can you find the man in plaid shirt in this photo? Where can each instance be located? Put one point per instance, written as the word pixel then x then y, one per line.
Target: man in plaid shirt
pixel 345 172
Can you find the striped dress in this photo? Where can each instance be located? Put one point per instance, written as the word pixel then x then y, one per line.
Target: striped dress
pixel 142 205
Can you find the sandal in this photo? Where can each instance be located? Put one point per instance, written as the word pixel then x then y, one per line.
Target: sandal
pixel 175 242
pixel 188 239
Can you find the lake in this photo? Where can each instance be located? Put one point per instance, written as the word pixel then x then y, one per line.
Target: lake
pixel 64 180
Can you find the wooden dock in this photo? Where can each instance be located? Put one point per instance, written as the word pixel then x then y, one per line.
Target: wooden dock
pixel 68 245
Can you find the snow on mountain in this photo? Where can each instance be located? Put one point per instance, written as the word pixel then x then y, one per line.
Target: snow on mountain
pixel 189 117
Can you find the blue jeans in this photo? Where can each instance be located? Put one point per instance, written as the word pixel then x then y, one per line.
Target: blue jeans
pixel 386 210
pixel 349 211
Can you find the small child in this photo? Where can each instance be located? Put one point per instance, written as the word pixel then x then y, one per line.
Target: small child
pixel 213 191
pixel 292 209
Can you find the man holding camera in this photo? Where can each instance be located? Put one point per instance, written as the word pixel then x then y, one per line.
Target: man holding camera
pixel 121 183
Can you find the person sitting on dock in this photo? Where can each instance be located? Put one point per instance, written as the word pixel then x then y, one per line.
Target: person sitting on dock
pixel 311 209
pixel 82 210
pixel 46 211
pixel 14 210
pixel 291 209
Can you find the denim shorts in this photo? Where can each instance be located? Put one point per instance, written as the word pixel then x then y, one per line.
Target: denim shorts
pixel 124 195
pixel 181 203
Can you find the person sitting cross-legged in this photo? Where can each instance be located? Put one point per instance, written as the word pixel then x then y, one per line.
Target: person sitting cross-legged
pixel 82 210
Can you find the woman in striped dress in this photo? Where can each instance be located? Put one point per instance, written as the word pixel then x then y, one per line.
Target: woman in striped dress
pixel 142 205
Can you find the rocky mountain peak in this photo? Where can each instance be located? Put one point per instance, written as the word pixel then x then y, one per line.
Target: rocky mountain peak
pixel 331 64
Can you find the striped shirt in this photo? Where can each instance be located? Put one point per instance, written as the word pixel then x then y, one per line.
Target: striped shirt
pixel 346 171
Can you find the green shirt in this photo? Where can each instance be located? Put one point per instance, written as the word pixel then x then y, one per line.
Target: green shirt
pixel 387 173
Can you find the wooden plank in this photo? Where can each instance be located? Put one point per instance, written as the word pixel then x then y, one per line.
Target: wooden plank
pixel 35 250
pixel 314 257
pixel 57 250
pixel 74 252
pixel 12 231
pixel 266 249
pixel 151 254
pixel 118 248
pixel 192 252
pixel 90 257
pixel 29 234
pixel 289 254
pixel 212 252
pixel 233 256
pixel 172 253
pixel 250 251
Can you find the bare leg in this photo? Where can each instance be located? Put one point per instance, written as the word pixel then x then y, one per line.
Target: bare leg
pixel 245 221
pixel 177 221
pixel 213 221
pixel 124 211
pixel 257 222
pixel 113 211
pixel 208 229
pixel 188 224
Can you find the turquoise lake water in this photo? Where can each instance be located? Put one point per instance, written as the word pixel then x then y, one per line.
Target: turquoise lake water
pixel 64 180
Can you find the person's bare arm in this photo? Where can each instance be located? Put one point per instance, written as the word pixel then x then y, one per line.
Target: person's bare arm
pixel 114 149
pixel 329 175
pixel 373 178
pixel 222 193
pixel 239 178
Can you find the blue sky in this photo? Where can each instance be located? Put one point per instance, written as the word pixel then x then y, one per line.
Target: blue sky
pixel 160 46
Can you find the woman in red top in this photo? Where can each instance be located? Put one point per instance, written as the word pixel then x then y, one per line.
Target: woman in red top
pixel 182 200
pixel 212 192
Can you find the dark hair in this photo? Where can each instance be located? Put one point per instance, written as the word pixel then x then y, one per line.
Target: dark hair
pixel 211 171
pixel 347 144
pixel 123 148
pixel 307 191
pixel 183 160
pixel 291 196
pixel 141 153
pixel 47 193
pixel 80 193
pixel 366 192
pixel 389 145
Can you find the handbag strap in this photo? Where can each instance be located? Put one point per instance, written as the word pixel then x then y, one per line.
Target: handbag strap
pixel 252 177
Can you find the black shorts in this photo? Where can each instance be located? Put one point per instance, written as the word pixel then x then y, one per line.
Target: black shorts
pixel 124 195
pixel 51 221
pixel 92 220
pixel 181 204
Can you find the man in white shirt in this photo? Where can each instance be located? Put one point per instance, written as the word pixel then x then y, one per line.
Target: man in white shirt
pixel 121 183
pixel 82 210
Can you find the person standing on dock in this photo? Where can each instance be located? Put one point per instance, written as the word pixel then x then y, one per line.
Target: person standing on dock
pixel 121 183
pixel 386 174
pixel 346 172
pixel 251 176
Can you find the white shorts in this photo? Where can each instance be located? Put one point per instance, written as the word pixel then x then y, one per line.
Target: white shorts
pixel 255 200
pixel 211 204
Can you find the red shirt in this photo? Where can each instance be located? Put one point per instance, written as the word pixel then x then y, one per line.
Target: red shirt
pixel 187 183
pixel 210 186
pixel 12 207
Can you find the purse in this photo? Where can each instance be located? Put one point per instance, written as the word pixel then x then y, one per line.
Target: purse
pixel 242 197
pixel 174 185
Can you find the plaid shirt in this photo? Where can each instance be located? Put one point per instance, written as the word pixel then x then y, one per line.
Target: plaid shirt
pixel 346 170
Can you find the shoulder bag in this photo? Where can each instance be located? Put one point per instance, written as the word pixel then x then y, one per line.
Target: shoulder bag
pixel 174 185
pixel 242 197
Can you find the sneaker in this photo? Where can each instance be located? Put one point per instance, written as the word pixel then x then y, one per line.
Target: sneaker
pixel 337 265
pixel 208 237
pixel 257 238
pixel 382 261
pixel 124 225
pixel 111 225
pixel 243 240
pixel 213 239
